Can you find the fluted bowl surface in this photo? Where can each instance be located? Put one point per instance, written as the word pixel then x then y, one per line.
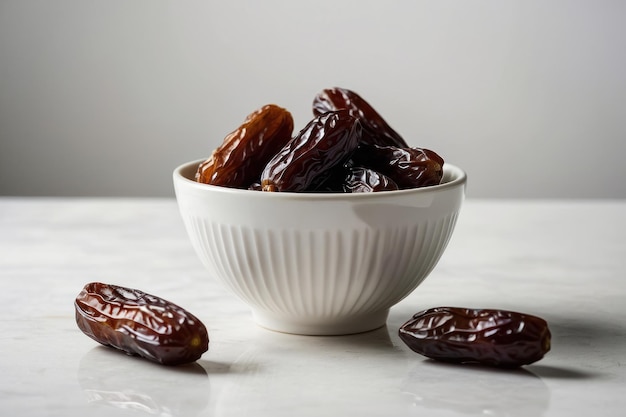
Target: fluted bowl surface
pixel 319 264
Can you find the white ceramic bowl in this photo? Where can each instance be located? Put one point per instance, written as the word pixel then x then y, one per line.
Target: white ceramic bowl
pixel 319 264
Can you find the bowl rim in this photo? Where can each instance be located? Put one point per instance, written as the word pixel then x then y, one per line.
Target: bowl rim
pixel 459 179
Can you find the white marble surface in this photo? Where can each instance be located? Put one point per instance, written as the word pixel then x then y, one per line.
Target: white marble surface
pixel 564 261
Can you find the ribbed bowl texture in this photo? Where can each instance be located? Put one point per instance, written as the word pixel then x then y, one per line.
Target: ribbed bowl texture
pixel 319 264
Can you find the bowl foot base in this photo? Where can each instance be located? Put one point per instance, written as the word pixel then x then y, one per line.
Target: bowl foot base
pixel 321 326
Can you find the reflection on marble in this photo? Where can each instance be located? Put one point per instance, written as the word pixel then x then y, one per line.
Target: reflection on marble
pixel 476 390
pixel 563 261
pixel 113 379
pixel 303 375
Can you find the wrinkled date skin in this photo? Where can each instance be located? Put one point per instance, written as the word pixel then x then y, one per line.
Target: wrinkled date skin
pixel 375 128
pixel 490 337
pixel 140 324
pixel 346 178
pixel 326 141
pixel 243 154
pixel 365 180
pixel 408 167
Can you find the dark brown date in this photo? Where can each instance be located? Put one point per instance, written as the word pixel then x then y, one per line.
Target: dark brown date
pixel 140 324
pixel 490 337
pixel 325 142
pixel 330 181
pixel 375 128
pixel 408 167
pixel 243 154
pixel 365 180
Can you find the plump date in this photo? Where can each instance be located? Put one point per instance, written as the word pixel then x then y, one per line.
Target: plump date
pixel 243 154
pixel 490 337
pixel 375 129
pixel 408 167
pixel 140 324
pixel 326 141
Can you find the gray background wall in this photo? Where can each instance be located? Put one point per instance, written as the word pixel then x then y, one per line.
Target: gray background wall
pixel 107 97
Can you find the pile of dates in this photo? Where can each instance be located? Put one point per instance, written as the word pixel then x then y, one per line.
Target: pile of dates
pixel 346 148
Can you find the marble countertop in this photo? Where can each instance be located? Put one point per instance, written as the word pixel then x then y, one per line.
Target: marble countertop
pixel 562 260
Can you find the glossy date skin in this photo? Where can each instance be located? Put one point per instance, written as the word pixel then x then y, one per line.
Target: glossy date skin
pixel 140 324
pixel 243 154
pixel 325 142
pixel 491 337
pixel 408 167
pixel 365 180
pixel 375 129
pixel 351 179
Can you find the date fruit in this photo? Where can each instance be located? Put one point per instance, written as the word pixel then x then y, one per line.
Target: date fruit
pixel 408 167
pixel 347 148
pixel 326 141
pixel 375 128
pixel 243 154
pixel 140 324
pixel 486 336
pixel 365 180
pixel 346 178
